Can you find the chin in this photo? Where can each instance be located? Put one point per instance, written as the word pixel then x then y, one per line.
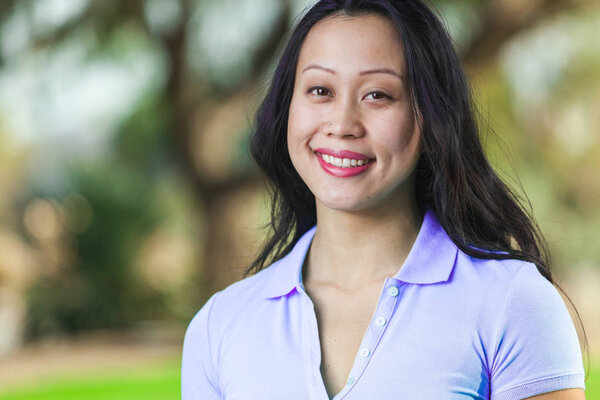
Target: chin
pixel 342 204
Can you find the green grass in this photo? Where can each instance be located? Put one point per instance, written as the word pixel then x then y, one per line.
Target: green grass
pixel 149 382
pixel 159 381
pixel 592 385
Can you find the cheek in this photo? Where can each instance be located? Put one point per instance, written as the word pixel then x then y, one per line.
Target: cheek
pixel 296 128
pixel 399 132
pixel 302 121
pixel 294 118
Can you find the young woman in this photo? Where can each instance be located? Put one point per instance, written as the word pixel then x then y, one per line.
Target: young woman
pixel 412 271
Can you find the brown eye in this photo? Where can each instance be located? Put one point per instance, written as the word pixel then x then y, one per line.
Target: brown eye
pixel 319 91
pixel 379 95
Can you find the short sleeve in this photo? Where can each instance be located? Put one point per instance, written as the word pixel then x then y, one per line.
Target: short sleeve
pixel 198 374
pixel 537 348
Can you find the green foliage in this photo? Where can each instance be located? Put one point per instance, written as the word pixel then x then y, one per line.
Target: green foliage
pixel 100 289
pixel 142 141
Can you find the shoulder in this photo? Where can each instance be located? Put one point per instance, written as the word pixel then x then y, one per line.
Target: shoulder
pixel 510 288
pixel 511 292
pixel 252 287
pixel 238 298
pixel 496 276
pixel 226 311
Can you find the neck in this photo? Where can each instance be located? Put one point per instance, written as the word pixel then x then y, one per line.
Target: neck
pixel 353 249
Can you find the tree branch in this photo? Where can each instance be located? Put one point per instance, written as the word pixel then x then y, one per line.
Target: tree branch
pixel 501 21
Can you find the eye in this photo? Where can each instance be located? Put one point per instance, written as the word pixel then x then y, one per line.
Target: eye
pixel 319 91
pixel 379 96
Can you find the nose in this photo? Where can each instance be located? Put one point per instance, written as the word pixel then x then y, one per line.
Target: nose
pixel 345 120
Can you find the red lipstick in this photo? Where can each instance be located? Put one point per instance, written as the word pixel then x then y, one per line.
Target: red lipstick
pixel 339 171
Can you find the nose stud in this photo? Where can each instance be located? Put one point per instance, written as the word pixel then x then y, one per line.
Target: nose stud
pixel 329 124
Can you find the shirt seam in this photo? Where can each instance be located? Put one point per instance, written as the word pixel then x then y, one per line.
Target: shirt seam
pixel 210 353
pixel 502 318
pixel 546 378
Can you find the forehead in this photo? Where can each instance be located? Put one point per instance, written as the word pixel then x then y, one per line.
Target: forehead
pixel 346 42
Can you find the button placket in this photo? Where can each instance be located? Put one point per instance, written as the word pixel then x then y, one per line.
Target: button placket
pixel 312 356
pixel 385 307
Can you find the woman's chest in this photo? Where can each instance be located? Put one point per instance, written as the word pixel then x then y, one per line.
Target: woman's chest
pixel 360 349
pixel 342 321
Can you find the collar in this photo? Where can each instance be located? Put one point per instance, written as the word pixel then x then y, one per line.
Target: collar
pixel 429 261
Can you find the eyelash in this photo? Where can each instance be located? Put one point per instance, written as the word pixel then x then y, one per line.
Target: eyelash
pixel 374 92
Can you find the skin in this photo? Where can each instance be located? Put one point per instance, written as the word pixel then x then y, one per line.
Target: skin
pixel 376 208
pixel 371 114
pixel 567 394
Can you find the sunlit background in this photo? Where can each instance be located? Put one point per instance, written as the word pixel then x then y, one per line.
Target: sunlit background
pixel 127 195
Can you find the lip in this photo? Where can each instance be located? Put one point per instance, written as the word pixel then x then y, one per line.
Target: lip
pixel 342 172
pixel 342 153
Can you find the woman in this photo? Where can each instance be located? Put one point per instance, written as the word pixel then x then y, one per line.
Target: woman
pixel 412 271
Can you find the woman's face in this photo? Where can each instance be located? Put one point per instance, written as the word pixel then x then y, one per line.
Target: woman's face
pixel 350 94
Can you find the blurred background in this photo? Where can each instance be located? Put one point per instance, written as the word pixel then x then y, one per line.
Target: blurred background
pixel 127 196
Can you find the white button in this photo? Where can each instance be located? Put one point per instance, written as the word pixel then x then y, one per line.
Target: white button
pixel 350 380
pixel 393 291
pixel 380 321
pixel 364 352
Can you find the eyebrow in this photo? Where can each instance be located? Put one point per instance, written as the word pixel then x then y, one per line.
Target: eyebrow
pixel 361 73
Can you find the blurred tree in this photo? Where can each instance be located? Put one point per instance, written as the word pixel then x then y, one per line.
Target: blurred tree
pixel 98 288
pixel 193 112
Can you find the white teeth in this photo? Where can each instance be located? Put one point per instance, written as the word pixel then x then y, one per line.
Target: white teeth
pixel 343 162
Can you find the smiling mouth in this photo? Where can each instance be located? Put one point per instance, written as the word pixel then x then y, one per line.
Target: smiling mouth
pixel 343 162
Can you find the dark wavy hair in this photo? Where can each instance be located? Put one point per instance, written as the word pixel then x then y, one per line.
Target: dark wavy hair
pixel 479 212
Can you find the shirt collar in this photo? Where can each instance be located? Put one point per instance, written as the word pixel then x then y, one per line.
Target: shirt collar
pixel 430 259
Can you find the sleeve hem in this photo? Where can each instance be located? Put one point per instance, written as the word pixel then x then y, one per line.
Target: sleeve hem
pixel 550 384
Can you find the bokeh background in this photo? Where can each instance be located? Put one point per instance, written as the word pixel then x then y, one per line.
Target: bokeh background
pixel 127 196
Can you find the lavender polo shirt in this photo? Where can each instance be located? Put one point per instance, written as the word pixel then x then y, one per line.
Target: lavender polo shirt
pixel 446 326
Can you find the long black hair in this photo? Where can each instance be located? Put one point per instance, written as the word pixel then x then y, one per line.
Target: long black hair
pixel 479 212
